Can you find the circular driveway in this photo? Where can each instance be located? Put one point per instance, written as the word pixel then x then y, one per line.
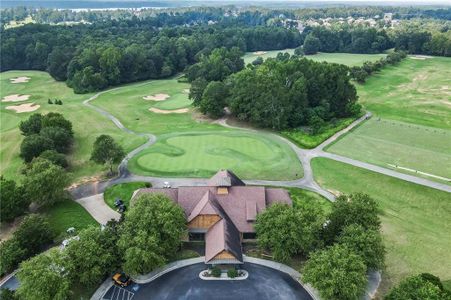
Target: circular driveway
pixel 263 284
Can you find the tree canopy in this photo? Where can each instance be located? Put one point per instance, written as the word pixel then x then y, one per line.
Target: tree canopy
pixel 107 151
pixel 150 233
pixel 337 273
pixel 13 201
pixel 418 287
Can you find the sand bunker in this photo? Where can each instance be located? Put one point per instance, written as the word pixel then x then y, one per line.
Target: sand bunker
pixel 157 97
pixel 259 52
pixel 173 111
pixel 15 98
pixel 420 57
pixel 27 107
pixel 20 79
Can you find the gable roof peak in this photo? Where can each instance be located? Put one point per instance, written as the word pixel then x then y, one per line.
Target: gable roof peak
pixel 225 178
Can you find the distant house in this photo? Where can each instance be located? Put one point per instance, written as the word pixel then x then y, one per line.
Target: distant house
pixel 222 213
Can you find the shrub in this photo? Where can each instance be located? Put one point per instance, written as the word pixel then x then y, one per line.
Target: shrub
pixel 215 271
pixel 49 101
pixel 232 273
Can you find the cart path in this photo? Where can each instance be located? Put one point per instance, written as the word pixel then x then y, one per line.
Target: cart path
pixel 304 155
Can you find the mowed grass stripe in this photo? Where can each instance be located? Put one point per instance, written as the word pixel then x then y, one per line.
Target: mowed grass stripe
pixel 202 154
pixel 415 219
pixel 387 142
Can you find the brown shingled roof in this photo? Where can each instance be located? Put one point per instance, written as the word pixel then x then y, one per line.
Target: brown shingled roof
pixel 203 207
pixel 225 178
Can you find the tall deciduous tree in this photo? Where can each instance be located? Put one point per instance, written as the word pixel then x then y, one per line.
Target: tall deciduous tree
pixel 337 273
pixel 366 243
pixel 150 233
pixel 107 151
pixel 33 145
pixel 93 256
pixel 13 201
pixel 287 231
pixel 213 99
pixel 417 288
pixel 32 125
pixel 44 277
pixel 311 45
pixel 45 182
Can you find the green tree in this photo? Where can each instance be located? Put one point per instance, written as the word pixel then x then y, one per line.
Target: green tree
pixel 53 119
pixel 7 294
pixel 213 99
pixel 337 273
pixel 34 233
pixel 197 89
pixel 44 277
pixel 45 182
pixel 12 254
pixel 55 158
pixel 417 288
pixel 150 233
pixel 93 256
pixel 13 202
pixel 32 125
pixel 33 145
pixel 366 243
pixel 287 231
pixel 62 139
pixel 107 151
pixel 311 45
pixel 358 209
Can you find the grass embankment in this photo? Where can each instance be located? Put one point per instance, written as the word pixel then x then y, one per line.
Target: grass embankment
pixel 415 219
pixel 249 155
pixel 348 59
pixel 87 123
pixel 308 140
pixel 123 191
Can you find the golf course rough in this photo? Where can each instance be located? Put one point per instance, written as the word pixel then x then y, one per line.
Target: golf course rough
pixel 201 154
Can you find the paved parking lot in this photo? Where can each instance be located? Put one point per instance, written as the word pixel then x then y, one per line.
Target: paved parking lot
pixel 184 284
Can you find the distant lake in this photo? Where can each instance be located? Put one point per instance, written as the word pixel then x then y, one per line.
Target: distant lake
pixel 92 4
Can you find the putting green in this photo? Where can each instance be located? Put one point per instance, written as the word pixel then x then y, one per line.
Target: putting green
pixel 249 155
pixel 348 59
pixel 390 143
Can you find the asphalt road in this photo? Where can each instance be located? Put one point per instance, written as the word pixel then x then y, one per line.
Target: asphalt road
pixel 184 284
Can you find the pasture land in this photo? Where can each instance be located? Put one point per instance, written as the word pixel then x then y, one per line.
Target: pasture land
pixel 415 219
pixel 87 123
pixel 392 143
pixel 201 154
pixel 348 59
pixel 416 91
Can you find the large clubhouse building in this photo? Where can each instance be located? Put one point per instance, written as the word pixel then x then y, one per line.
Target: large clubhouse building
pixel 222 213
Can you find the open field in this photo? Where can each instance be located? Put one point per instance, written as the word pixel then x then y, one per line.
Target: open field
pixel 387 142
pixel 201 154
pixel 87 123
pixel 415 91
pixel 348 59
pixel 415 219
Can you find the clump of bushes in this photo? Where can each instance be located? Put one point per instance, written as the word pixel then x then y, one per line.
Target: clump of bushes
pixel 56 101
pixel 215 271
pixel 232 273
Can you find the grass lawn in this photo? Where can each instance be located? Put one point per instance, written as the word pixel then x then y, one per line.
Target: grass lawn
pixel 401 144
pixel 87 123
pixel 124 191
pixel 309 141
pixel 415 219
pixel 348 59
pixel 201 154
pixel 299 195
pixel 68 214
pixel 415 91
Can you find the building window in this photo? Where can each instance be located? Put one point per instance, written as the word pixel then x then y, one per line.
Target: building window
pixel 249 235
pixel 196 236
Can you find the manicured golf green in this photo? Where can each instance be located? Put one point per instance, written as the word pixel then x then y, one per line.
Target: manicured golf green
pixel 249 155
pixel 87 123
pixel 415 91
pixel 348 59
pixel 415 219
pixel 385 142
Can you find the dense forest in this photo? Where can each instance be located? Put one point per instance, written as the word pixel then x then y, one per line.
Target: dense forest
pixel 280 93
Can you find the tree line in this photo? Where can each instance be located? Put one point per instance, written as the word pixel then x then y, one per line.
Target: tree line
pixel 92 57
pixel 360 74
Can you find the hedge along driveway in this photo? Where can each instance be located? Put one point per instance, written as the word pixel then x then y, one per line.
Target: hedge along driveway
pixel 201 154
